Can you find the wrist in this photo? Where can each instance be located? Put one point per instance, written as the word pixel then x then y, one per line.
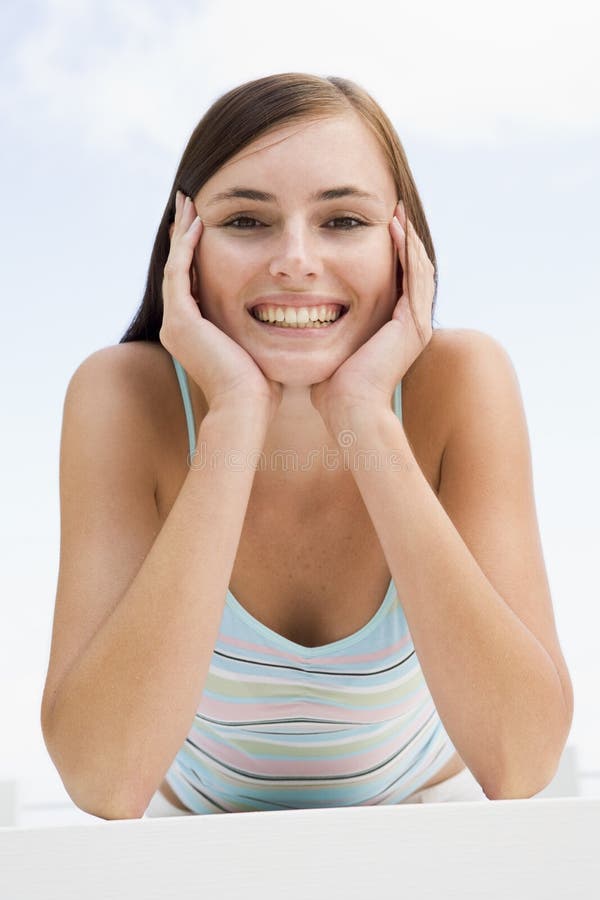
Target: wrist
pixel 244 421
pixel 358 419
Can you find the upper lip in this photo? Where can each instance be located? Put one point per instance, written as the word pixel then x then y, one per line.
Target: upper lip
pixel 297 300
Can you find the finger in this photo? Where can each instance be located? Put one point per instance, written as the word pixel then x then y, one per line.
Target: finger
pixel 183 242
pixel 415 244
pixel 401 214
pixel 185 213
pixel 182 204
pixel 416 253
pixel 179 200
pixel 176 279
pixel 399 237
pixel 183 220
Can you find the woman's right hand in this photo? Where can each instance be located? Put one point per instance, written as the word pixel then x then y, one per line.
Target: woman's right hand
pixel 224 371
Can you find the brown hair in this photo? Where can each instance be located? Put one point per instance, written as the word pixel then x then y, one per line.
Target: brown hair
pixel 239 117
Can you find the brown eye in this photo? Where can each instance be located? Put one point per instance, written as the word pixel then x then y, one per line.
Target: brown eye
pixel 240 219
pixel 358 222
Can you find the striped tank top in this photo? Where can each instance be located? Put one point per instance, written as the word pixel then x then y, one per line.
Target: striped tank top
pixel 283 726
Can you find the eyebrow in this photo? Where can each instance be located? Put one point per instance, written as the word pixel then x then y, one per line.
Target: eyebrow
pixel 318 197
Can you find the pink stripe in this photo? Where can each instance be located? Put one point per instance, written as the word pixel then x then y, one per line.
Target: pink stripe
pixel 235 712
pixel 302 765
pixel 369 657
pixel 261 650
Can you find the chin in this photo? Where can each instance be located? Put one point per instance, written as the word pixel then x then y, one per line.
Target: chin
pixel 299 373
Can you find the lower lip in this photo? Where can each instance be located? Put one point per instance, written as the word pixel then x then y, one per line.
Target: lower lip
pixel 298 332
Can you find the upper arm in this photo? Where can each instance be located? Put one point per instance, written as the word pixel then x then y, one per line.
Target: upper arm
pixel 108 513
pixel 486 484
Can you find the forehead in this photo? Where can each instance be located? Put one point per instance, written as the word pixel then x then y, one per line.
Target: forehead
pixel 337 148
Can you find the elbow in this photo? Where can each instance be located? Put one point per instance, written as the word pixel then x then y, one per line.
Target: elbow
pixel 531 764
pixel 107 806
pixel 517 790
pixel 113 812
pixel 523 783
pixel 92 788
pixel 93 798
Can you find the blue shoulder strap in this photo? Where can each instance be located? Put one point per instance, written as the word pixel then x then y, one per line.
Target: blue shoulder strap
pixel 187 403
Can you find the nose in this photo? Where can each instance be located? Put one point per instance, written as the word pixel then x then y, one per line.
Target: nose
pixel 295 253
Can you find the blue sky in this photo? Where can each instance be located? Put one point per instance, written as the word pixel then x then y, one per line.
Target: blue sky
pixel 497 107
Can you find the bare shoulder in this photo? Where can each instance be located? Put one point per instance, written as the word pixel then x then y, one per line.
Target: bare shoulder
pixel 436 388
pixel 473 366
pixel 452 355
pixel 425 391
pixel 134 381
pixel 134 361
pixel 138 369
pixel 464 342
pixel 448 350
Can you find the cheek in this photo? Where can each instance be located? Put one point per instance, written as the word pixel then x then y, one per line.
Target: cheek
pixel 218 265
pixel 367 259
pixel 376 270
pixel 211 253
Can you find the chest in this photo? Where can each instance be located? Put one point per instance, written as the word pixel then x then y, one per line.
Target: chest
pixel 320 579
pixel 309 567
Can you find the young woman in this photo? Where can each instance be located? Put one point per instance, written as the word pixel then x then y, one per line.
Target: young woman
pixel 300 561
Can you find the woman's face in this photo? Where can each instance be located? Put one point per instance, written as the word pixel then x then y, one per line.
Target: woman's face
pixel 336 250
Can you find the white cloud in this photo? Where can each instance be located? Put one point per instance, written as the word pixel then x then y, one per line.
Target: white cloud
pixel 459 73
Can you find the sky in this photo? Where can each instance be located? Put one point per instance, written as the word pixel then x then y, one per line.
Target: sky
pixel 496 105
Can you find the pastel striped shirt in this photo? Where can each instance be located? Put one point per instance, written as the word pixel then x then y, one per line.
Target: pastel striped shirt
pixel 283 726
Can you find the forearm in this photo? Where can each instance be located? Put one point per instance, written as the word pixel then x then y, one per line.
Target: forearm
pixel 126 707
pixel 496 688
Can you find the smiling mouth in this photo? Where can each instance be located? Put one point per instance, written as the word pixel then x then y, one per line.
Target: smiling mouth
pixel 306 319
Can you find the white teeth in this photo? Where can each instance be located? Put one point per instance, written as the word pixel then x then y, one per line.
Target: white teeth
pixel 301 317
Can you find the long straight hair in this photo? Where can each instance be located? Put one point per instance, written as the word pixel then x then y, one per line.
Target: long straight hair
pixel 239 117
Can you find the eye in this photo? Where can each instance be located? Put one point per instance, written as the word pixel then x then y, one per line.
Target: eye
pixel 357 222
pixel 240 219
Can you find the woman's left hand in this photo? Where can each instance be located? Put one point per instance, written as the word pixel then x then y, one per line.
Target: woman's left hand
pixel 369 376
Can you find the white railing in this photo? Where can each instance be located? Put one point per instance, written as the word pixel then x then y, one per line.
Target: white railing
pixel 522 849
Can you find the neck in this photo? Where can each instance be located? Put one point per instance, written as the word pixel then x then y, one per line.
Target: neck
pixel 298 450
